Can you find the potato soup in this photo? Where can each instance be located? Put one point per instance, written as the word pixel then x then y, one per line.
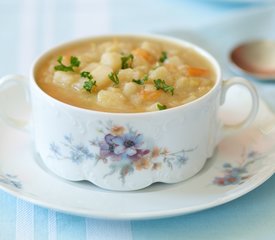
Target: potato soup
pixel 125 75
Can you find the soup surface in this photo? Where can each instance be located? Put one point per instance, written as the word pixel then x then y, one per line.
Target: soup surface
pixel 125 75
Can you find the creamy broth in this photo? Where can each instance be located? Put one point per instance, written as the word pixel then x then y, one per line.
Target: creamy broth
pixel 125 75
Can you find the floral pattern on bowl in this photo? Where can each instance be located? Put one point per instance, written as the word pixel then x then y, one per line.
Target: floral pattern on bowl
pixel 76 153
pixel 122 147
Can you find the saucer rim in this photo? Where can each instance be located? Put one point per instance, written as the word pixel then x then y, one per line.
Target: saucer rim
pixel 142 216
pixel 220 197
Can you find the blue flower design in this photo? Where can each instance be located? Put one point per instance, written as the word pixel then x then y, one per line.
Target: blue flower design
pixel 80 153
pixel 11 180
pixel 128 145
pixel 55 149
pixel 76 153
pixel 68 138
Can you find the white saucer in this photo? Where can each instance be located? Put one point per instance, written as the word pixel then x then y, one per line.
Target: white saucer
pixel 240 164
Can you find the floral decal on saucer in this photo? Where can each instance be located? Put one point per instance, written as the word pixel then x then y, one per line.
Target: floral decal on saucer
pixel 122 148
pixel 11 180
pixel 234 174
pixel 245 158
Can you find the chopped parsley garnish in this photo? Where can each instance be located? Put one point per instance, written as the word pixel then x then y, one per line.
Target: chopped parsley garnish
pixel 163 57
pixel 160 84
pixel 126 61
pixel 86 75
pixel 161 106
pixel 90 83
pixel 141 81
pixel 114 78
pixel 74 62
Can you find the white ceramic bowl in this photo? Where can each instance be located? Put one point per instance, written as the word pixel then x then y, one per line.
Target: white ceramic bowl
pixel 128 151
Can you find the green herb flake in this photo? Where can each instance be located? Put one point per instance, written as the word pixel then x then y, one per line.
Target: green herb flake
pixel 141 81
pixel 160 84
pixel 74 62
pixel 114 78
pixel 90 83
pixel 161 106
pixel 126 61
pixel 163 57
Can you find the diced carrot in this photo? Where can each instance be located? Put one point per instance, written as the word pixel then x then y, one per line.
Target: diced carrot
pixel 66 60
pixel 196 72
pixel 149 95
pixel 144 54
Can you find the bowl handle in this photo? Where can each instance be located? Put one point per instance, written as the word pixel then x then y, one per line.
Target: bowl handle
pixel 8 82
pixel 231 129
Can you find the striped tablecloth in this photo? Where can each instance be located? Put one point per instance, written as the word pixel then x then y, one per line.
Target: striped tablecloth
pixel 29 27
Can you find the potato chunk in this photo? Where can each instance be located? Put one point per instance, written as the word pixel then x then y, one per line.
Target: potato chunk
pixel 130 88
pixel 100 75
pixel 111 99
pixel 161 73
pixel 127 75
pixel 64 78
pixel 112 60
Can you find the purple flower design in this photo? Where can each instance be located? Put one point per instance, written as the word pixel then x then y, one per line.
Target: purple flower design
pixel 107 147
pixel 126 146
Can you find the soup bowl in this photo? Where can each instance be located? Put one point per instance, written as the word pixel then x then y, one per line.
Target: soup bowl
pixel 127 151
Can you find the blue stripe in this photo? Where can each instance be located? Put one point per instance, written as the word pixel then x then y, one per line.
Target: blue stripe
pixel 7 216
pixel 243 218
pixel 70 227
pixel 40 223
pixel 9 35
